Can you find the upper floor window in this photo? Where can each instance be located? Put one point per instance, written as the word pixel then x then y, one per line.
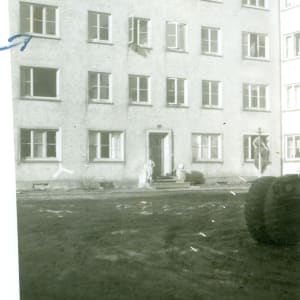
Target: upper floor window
pixel 211 93
pixel 206 147
pixel 177 91
pixel 292 45
pixel 139 31
pixel 176 36
pixel 255 3
pixel 290 3
pixel 293 96
pixel 211 40
pixel 255 45
pixel 139 89
pixel 39 144
pixel 99 87
pixel 255 96
pixel 99 27
pixel 106 146
pixel 39 82
pixel 252 143
pixel 292 147
pixel 38 19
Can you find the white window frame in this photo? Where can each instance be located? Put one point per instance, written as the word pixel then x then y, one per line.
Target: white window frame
pixel 137 78
pixel 31 96
pixel 197 146
pixel 219 40
pixel 292 48
pixel 290 3
pixel 293 157
pixel 249 146
pixel 247 3
pixel 98 99
pixel 176 46
pixel 44 7
pixel 98 146
pixel 295 102
pixel 247 46
pixel 132 33
pixel 220 88
pixel 98 39
pixel 258 87
pixel 175 103
pixel 44 145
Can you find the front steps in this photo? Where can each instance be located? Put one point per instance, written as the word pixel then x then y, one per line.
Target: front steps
pixel 165 183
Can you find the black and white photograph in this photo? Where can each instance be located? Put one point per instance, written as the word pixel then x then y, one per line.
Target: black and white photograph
pixel 153 149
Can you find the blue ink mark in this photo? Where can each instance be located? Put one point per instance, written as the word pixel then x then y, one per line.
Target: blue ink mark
pixel 25 39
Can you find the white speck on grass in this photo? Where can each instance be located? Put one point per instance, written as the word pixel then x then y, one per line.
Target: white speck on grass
pixel 213 221
pixel 194 249
pixel 202 234
pixel 146 213
pixel 121 232
pixel 233 193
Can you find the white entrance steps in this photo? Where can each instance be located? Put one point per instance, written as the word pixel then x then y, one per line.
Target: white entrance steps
pixel 164 183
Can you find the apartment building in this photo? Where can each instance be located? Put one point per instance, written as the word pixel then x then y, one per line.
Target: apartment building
pixel 290 31
pixel 105 86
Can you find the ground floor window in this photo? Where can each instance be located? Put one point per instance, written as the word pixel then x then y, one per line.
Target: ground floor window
pixel 254 142
pixel 292 147
pixel 106 145
pixel 39 144
pixel 206 147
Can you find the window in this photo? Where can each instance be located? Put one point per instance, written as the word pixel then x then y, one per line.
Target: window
pixel 290 3
pixel 38 19
pixel 39 82
pixel 106 145
pixel 139 32
pixel 39 144
pixel 255 3
pixel 206 147
pixel 176 36
pixel 250 144
pixel 177 91
pixel 292 45
pixel 139 89
pixel 293 96
pixel 211 93
pixel 255 45
pixel 292 147
pixel 99 27
pixel 211 40
pixel 255 96
pixel 99 87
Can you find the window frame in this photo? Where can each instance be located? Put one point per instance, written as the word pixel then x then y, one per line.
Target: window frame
pixel 286 147
pixel 294 3
pixel 31 96
pixel 294 100
pixel 44 157
pixel 98 100
pixel 98 16
pixel 220 90
pixel 249 158
pixel 246 47
pixel 98 158
pixel 176 47
pixel 175 103
pixel 44 20
pixel 198 146
pixel 138 78
pixel 132 33
pixel 295 45
pixel 258 87
pixel 209 41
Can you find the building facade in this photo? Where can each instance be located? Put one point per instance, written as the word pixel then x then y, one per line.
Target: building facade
pixel 290 31
pixel 104 86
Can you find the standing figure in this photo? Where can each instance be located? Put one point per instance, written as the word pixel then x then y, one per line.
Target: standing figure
pixel 149 170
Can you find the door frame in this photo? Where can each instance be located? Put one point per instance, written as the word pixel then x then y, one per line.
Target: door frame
pixel 168 153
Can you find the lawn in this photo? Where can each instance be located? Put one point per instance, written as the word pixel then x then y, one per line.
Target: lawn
pixel 182 246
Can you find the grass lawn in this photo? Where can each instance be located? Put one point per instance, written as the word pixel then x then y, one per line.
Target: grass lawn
pixel 183 246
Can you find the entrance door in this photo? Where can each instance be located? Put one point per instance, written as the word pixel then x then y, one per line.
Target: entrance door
pixel 156 152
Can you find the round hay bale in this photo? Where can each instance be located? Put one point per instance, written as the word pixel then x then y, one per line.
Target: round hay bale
pixel 282 211
pixel 254 209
